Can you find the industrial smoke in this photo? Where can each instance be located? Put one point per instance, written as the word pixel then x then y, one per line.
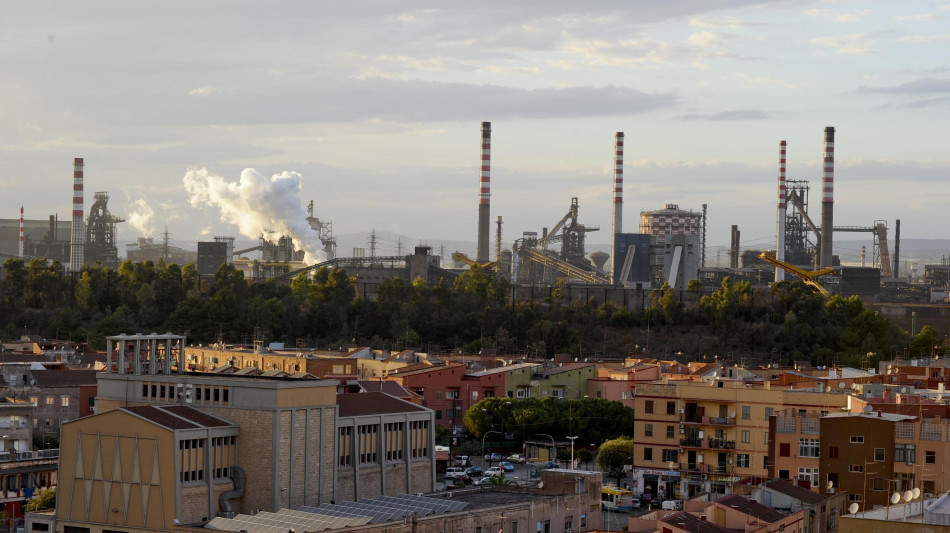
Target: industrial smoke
pixel 258 205
pixel 141 217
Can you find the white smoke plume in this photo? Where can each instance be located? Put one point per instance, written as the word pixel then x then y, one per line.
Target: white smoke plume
pixel 258 205
pixel 142 217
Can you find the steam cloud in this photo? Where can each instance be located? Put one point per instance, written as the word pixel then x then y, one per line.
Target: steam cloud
pixel 141 217
pixel 258 205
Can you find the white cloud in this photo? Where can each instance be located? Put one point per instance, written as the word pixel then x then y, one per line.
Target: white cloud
pixel 917 18
pixel 708 38
pixel 721 22
pixel 855 44
pixel 922 39
pixel 767 81
pixel 202 91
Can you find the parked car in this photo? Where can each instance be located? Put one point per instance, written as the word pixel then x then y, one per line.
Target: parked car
pixel 474 471
pixel 456 472
pixel 508 467
pixel 494 457
pixel 516 458
pixel 483 481
pixel 636 503
pixel 463 461
pixel 495 471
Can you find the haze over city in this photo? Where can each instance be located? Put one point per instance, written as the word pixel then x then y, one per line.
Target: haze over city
pixel 377 106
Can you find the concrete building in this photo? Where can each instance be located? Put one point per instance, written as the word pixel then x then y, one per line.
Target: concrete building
pixel 449 390
pixel 873 455
pixel 702 436
pixel 821 511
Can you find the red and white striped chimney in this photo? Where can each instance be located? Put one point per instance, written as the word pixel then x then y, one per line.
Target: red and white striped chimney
pixel 618 204
pixel 20 252
pixel 828 198
pixel 76 255
pixel 484 196
pixel 780 229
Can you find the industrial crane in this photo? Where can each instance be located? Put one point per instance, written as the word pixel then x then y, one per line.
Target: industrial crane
pixel 462 258
pixel 810 277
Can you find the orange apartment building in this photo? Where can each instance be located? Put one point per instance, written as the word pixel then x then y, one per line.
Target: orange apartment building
pixel 702 436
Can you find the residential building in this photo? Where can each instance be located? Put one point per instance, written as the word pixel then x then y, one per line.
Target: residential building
pixel 794 447
pixel 875 454
pixel 449 390
pixel 566 380
pixel 821 511
pixel 702 436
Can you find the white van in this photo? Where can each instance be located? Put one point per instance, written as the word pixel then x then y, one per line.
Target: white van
pixel 672 505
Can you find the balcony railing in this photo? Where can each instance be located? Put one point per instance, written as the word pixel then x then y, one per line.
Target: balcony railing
pixel 713 444
pixel 709 420
pixel 701 468
pixel 50 453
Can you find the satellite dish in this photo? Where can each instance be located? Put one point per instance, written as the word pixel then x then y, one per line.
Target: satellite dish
pixel 854 386
pixel 853 508
pixel 903 390
pixel 540 484
pixel 908 496
pixel 868 409
pixel 842 385
pixel 916 493
pixel 896 497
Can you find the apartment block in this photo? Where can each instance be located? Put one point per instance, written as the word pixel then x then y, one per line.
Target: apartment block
pixel 702 436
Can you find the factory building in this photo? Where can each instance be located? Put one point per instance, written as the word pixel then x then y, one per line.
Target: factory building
pixel 677 249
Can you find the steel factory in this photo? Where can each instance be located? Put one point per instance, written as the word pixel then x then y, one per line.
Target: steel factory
pixel 668 247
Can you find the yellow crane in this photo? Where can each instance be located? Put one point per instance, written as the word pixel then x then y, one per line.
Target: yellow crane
pixel 810 277
pixel 462 258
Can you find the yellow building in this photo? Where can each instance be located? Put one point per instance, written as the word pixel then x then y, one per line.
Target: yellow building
pixel 702 436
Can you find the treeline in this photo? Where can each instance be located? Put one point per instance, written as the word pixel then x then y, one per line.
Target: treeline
pixel 791 322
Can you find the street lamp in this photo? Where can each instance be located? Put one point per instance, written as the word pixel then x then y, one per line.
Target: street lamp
pixel 572 450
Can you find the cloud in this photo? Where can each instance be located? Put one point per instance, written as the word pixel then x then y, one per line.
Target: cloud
pixel 736 114
pixel 917 18
pixel 921 86
pixel 714 22
pixel 939 38
pixel 709 38
pixel 855 43
pixel 202 91
pixel 853 16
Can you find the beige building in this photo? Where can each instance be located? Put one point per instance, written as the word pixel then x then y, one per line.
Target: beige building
pixel 702 436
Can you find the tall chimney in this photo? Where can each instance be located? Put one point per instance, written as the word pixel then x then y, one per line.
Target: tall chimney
pixel 20 250
pixel 780 229
pixel 78 235
pixel 498 240
pixel 828 198
pixel 484 196
pixel 897 248
pixel 617 227
pixel 734 248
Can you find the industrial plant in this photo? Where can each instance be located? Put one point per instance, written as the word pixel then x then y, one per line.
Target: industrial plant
pixel 669 247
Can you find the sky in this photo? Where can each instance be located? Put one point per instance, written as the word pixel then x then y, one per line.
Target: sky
pixel 373 109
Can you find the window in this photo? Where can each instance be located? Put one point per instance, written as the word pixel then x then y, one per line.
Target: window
pixel 648 454
pixel 808 447
pixel 745 435
pixel 765 437
pixel 50 400
pixel 784 450
pixel 832 452
pixel 671 408
pixel 647 430
pixel 648 406
pixel 783 474
pixel 746 412
pixel 742 460
pixel 34 400
pixel 670 432
pixel 930 457
pixel 670 455
pixel 905 453
pixel 768 412
pixel 879 455
pixel 855 497
pixel 857 439
pixel 808 474
pixel 64 401
pixel 855 468
pixel 584 520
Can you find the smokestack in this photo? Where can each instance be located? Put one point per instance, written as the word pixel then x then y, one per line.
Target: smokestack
pixel 780 229
pixel 498 240
pixel 734 248
pixel 828 198
pixel 484 196
pixel 862 256
pixel 617 228
pixel 78 235
pixel 703 263
pixel 20 252
pixel 897 248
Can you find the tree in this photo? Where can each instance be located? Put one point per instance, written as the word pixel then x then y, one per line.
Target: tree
pixel 43 499
pixel 614 454
pixel 584 455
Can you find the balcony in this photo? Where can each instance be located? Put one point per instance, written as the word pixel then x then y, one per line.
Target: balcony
pixel 702 468
pixel 708 444
pixel 708 420
pixel 52 453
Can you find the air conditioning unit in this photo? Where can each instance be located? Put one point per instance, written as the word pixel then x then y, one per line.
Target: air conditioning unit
pixel 682 411
pixel 682 431
pixel 92 409
pixel 729 461
pixel 189 393
pixel 682 450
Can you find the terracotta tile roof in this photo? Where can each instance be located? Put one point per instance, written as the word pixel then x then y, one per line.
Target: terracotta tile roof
pixel 374 403
pixel 693 523
pixel 391 388
pixel 751 508
pixel 64 378
pixel 794 491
